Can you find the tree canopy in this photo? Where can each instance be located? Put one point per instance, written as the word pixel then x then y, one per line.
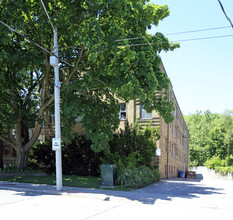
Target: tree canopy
pixel 100 68
pixel 211 135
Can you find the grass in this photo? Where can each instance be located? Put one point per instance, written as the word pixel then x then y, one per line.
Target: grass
pixel 75 181
pixel 68 180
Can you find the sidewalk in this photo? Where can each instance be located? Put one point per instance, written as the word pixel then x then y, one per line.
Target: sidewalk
pixel 187 197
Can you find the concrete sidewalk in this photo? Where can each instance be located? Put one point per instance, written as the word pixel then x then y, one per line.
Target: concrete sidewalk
pixel 172 198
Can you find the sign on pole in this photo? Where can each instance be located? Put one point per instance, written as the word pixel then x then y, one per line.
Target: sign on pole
pixel 56 143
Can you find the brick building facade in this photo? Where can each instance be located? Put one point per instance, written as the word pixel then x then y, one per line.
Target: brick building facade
pixel 173 147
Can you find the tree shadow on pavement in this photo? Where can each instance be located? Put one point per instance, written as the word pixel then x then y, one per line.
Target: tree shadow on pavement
pixel 164 190
pixel 167 190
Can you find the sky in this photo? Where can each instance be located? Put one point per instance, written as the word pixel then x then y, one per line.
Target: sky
pixel 201 71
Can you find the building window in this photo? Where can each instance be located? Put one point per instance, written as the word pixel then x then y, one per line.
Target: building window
pixel 175 133
pixel 122 112
pixel 175 113
pixel 144 114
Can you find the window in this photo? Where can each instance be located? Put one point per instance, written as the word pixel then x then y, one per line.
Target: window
pixel 175 132
pixel 144 114
pixel 122 112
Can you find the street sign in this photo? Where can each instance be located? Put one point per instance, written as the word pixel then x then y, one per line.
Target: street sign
pixel 56 143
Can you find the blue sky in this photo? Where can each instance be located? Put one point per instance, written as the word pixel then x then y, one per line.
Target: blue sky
pixel 201 71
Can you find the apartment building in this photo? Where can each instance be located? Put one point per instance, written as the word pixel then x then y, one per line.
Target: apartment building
pixel 173 147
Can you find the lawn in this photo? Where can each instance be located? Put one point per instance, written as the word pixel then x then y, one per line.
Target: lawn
pixel 75 181
pixel 68 180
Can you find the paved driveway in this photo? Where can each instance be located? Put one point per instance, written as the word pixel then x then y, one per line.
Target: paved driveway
pixel 168 199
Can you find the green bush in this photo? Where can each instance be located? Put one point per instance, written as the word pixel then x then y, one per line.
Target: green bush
pixel 224 169
pixel 222 166
pixel 229 160
pixel 214 162
pixel 132 147
pixel 77 158
pixel 137 177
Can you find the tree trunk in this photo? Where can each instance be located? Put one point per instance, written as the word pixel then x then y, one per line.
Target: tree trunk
pixel 23 143
pixel 22 159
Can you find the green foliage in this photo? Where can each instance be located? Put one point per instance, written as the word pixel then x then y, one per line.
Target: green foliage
pixel 102 68
pixel 137 177
pixel 211 136
pixel 222 166
pixel 42 157
pixel 229 160
pixel 224 169
pixel 214 162
pixel 77 158
pixel 80 159
pixel 14 169
pixel 132 147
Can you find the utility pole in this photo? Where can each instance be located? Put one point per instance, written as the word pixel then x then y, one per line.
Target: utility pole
pixel 57 140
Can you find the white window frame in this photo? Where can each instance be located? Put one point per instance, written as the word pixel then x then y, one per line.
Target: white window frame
pixel 122 111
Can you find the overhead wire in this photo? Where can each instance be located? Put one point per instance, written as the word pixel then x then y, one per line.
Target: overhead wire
pixel 126 39
pixel 58 57
pixel 225 13
pixel 52 54
pixel 176 41
pixel 47 14
pixel 176 33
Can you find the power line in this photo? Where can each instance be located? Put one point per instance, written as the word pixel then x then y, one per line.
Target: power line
pixel 225 13
pixel 63 61
pixel 200 30
pixel 176 41
pixel 176 33
pixel 17 32
pixel 205 38
pixel 47 14
pixel 56 56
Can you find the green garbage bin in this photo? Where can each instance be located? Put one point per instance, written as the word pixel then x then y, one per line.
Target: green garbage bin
pixel 108 175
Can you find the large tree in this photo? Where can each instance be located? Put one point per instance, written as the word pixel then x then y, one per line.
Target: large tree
pixel 211 135
pixel 103 69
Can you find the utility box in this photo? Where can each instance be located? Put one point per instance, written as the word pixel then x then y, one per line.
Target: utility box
pixel 108 175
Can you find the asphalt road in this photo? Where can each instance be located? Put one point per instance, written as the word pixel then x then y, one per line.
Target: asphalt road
pixel 168 199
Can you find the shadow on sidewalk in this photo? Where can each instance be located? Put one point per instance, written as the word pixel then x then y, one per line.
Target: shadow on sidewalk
pixel 163 190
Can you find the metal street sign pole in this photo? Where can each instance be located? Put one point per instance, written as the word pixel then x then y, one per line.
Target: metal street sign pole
pixel 57 139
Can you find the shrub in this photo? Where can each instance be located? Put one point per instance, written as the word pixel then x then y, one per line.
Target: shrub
pixel 229 160
pixel 214 162
pixel 132 147
pixel 222 166
pixel 137 177
pixel 41 157
pixel 224 169
pixel 77 158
